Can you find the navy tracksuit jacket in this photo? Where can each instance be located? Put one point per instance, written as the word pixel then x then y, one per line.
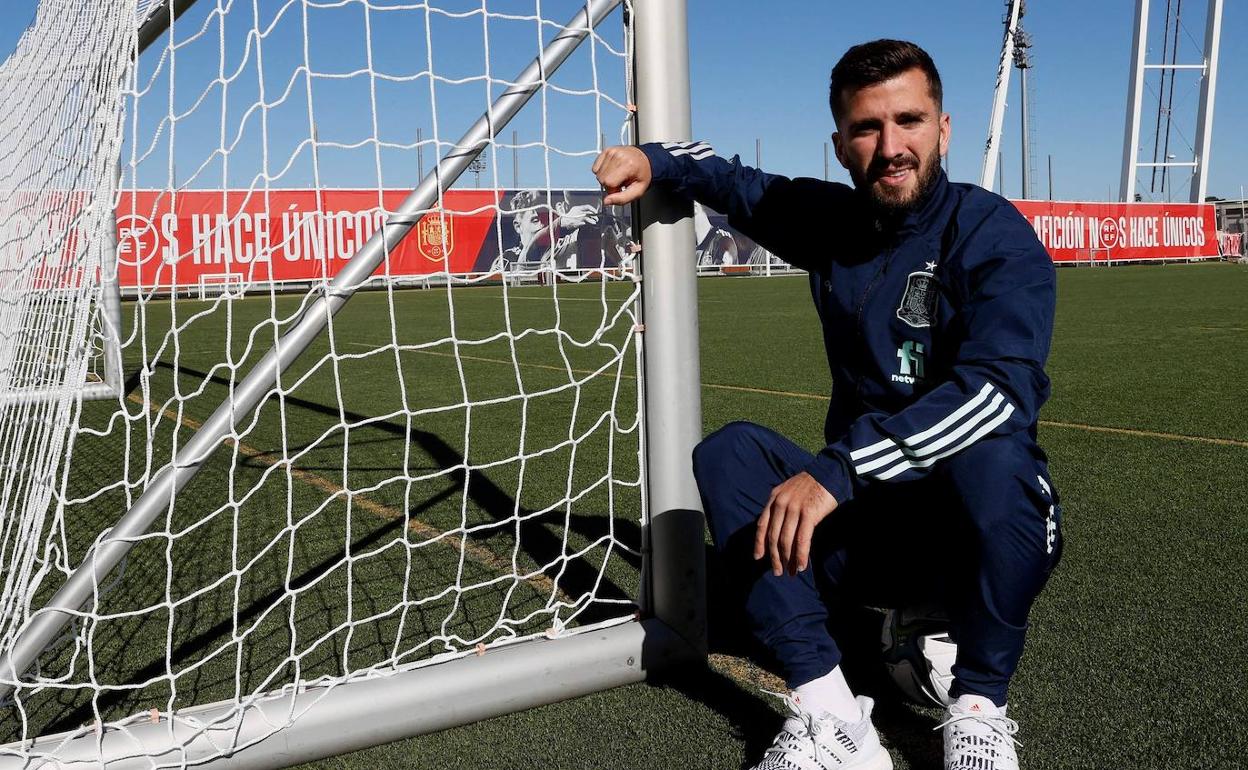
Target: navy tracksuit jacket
pixel 937 327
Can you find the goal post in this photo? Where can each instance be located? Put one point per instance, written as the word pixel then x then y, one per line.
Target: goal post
pixel 215 284
pixel 673 383
pixel 301 717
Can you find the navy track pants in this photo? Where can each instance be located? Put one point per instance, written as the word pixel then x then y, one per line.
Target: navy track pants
pixel 980 534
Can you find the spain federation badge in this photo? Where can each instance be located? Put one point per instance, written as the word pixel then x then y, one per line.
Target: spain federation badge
pixel 435 237
pixel 918 302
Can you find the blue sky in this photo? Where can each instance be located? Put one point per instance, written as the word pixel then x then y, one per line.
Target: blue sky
pixel 759 71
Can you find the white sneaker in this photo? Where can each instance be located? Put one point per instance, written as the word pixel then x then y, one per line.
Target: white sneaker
pixel 978 736
pixel 822 742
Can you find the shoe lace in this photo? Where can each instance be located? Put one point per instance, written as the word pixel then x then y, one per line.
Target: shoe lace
pixel 986 743
pixel 781 748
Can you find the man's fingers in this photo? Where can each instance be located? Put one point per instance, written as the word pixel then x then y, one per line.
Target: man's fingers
pixel 778 516
pixel 787 534
pixel 801 551
pixel 621 198
pixel 624 172
pixel 760 533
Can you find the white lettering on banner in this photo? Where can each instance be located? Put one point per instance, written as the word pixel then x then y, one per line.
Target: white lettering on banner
pixel 262 238
pixel 1057 232
pixel 1183 231
pixel 222 252
pixel 1107 233
pixel 1143 232
pixel 199 235
pixel 169 233
pixel 290 236
pixel 244 248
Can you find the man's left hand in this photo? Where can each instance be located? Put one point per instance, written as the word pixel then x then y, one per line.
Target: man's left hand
pixel 578 216
pixel 787 524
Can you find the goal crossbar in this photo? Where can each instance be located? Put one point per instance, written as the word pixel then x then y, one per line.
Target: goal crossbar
pixel 46 625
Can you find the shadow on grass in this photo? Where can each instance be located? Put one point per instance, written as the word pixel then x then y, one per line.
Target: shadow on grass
pixel 757 717
pixel 538 537
pixel 539 543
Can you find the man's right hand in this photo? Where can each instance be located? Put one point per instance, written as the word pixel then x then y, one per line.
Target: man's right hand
pixel 624 172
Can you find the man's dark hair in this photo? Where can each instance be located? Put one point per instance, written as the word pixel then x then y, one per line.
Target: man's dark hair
pixel 870 63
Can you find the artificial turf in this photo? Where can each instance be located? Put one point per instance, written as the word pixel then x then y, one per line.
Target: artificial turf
pixel 1136 657
pixel 1137 649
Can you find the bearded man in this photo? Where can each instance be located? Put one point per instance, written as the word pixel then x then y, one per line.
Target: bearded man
pixel 936 303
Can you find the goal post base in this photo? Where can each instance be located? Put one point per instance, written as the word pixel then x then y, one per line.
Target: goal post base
pixel 369 712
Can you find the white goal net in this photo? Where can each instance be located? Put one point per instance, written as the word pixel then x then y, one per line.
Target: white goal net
pixel 452 466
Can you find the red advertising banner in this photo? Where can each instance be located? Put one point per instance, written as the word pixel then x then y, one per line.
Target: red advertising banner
pixel 288 235
pixel 167 240
pixel 1081 232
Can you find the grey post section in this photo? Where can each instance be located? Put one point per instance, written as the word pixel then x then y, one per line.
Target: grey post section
pixel 673 376
pixel 110 300
pixel 265 377
pixel 159 19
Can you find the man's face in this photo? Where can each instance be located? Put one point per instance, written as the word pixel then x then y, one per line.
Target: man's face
pixel 891 137
pixel 530 223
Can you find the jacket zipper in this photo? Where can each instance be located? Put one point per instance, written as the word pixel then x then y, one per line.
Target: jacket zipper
pixel 862 306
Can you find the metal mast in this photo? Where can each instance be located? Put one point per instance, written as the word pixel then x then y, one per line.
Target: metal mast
pixel 1022 60
pixel 1135 101
pixel 1013 10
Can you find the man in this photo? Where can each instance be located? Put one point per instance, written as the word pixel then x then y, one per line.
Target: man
pixel 936 303
pixel 548 236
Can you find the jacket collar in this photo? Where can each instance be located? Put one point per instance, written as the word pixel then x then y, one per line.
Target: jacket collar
pixel 927 216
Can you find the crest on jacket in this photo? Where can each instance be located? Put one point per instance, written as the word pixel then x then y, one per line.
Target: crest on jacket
pixel 918 301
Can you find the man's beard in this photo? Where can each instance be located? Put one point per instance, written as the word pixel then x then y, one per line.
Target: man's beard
pixel 896 202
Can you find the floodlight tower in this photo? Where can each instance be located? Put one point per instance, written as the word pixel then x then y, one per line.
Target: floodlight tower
pixel 1022 60
pixel 1135 102
pixel 1013 12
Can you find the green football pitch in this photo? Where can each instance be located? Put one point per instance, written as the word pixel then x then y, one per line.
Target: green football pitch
pixel 1137 649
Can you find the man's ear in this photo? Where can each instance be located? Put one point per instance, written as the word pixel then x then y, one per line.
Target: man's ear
pixel 946 131
pixel 838 145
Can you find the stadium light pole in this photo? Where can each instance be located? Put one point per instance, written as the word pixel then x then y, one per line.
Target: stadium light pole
pixel 1208 88
pixel 673 395
pixel 991 150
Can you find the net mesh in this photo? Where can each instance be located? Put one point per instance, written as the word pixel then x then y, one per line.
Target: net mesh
pixel 452 466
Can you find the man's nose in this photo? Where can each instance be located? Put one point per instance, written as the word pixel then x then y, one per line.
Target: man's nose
pixel 890 142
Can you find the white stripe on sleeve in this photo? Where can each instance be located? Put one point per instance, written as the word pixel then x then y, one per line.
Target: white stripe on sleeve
pixel 987 428
pixel 920 437
pixel 698 151
pixel 922 449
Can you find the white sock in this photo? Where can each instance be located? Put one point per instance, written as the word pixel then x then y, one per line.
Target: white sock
pixel 830 693
pixel 977 703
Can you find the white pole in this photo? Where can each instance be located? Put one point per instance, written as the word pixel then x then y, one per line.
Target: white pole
pixel 672 382
pixel 998 99
pixel 1208 87
pixel 1135 102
